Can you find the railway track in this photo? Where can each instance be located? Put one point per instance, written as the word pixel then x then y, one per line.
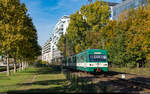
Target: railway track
pixel 128 84
pixel 131 83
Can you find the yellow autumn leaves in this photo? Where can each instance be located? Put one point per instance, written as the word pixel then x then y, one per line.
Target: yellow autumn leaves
pixel 127 39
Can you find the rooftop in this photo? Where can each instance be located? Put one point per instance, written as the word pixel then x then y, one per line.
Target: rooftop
pixel 112 3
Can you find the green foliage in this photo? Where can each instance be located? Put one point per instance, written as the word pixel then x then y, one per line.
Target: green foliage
pixel 96 15
pixel 41 63
pixel 84 28
pixel 18 36
pixel 127 40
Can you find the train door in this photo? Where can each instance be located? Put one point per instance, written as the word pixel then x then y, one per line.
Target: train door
pixel 84 62
pixel 78 62
pixel 74 62
pixel 69 62
pixel 81 62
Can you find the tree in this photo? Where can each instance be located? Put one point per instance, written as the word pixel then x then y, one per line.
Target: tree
pixel 96 14
pixel 127 39
pixel 84 26
pixel 138 34
pixel 18 34
pixel 10 11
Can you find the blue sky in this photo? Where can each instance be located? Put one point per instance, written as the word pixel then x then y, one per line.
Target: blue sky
pixel 46 13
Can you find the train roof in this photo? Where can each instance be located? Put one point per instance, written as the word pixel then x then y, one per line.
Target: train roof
pixel 93 50
pixel 88 51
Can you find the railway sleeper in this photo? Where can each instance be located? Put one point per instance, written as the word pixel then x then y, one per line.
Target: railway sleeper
pixel 137 83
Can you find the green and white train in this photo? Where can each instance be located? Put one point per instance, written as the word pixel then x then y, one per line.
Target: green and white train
pixel 90 60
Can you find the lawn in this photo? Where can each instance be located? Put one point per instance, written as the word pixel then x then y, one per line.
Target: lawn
pixel 137 71
pixel 33 80
pixel 49 79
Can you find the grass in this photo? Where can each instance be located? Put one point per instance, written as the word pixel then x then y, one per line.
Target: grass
pixel 45 80
pixel 33 80
pixel 10 83
pixel 137 71
pixel 50 79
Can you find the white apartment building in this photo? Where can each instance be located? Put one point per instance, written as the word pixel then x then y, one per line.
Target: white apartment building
pixel 49 49
pixel 59 29
pixel 111 5
pixel 46 51
pixel 117 9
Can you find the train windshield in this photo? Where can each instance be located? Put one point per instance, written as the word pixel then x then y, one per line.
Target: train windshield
pixel 97 57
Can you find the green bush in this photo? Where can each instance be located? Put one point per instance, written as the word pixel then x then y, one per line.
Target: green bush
pixel 41 63
pixel 131 65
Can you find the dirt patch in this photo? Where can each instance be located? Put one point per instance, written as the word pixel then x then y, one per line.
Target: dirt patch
pixel 32 80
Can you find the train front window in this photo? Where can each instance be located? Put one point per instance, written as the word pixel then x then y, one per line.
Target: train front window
pixel 97 57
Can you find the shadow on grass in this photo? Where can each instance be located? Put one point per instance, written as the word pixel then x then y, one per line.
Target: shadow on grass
pixel 4 78
pixel 40 91
pixel 45 82
pixel 46 70
pixel 61 88
pixel 79 85
pixel 82 84
pixel 49 70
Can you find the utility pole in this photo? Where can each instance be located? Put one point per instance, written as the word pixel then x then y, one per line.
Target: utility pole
pixel 64 47
pixel 64 60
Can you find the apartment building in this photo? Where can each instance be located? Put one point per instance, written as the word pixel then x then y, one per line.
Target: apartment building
pixel 46 51
pixel 49 49
pixel 59 29
pixel 125 5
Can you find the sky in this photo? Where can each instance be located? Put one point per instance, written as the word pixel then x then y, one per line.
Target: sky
pixel 46 13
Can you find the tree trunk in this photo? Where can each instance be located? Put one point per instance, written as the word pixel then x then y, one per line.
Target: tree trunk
pixel 14 66
pixel 149 64
pixel 8 71
pixel 137 67
pixel 27 64
pixel 22 65
pixel 19 66
pixel 142 65
pixel 126 68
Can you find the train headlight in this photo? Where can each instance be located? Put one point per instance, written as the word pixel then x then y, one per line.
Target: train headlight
pixel 104 57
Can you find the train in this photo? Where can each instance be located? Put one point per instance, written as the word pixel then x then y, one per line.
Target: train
pixel 90 60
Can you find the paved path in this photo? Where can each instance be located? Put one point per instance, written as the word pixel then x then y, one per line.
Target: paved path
pixel 32 80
